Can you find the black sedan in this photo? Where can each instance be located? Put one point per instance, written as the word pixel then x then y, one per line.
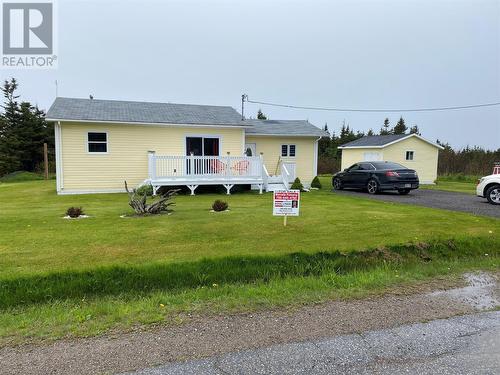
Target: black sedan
pixel 375 176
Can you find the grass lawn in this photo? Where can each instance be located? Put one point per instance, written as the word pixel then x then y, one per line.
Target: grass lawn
pixel 35 239
pixel 78 277
pixel 456 186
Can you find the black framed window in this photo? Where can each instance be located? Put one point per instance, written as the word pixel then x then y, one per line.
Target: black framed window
pixel 284 150
pixel 288 150
pixel 97 142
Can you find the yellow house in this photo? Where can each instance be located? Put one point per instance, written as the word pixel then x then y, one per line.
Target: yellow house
pixel 411 150
pixel 102 143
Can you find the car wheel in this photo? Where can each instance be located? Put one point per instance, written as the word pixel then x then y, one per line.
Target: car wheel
pixel 337 184
pixel 372 186
pixel 404 191
pixel 493 194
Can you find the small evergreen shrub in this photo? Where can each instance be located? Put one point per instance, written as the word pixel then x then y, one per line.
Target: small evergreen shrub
pixel 297 185
pixel 74 212
pixel 315 183
pixel 145 190
pixel 219 206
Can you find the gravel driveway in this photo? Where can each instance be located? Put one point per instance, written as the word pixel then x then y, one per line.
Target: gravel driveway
pixel 446 200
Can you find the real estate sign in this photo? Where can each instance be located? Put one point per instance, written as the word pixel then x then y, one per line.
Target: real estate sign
pixel 286 203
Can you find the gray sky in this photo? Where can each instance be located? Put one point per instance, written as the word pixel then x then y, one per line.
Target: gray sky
pixel 355 54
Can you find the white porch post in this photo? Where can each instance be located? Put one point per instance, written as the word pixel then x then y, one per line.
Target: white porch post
pixel 228 188
pixel 151 165
pixel 191 165
pixel 192 188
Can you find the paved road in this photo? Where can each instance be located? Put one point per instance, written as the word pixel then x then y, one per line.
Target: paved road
pixel 462 345
pixel 437 199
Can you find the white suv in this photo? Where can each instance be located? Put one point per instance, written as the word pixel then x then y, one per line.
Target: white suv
pixel 489 187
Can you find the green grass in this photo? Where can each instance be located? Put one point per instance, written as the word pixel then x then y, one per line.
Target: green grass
pixel 459 177
pixel 455 186
pixel 141 296
pixel 35 239
pixel 21 176
pixel 80 277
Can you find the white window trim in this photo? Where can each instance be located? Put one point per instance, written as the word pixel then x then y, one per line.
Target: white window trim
pixel 288 150
pixel 87 142
pixel 413 156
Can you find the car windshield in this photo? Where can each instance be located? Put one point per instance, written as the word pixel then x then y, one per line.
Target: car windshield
pixel 387 165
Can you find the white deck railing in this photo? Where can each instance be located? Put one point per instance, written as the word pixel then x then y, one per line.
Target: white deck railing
pixel 163 167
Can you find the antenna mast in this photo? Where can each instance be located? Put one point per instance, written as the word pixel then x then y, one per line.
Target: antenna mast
pixel 243 98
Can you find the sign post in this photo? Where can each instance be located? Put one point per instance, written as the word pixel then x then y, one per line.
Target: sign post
pixel 286 203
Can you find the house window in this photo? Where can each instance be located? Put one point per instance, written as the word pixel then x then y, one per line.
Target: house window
pixel 288 150
pixel 409 155
pixel 97 142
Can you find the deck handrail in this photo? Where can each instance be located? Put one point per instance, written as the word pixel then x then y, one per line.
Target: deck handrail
pixel 175 166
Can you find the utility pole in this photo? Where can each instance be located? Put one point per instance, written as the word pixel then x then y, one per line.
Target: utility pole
pixel 243 98
pixel 46 160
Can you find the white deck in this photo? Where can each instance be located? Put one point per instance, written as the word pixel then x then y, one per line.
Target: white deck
pixel 192 171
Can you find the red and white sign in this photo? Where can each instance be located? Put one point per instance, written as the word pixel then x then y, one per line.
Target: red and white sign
pixel 286 203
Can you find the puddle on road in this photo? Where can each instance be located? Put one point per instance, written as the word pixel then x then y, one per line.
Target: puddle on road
pixel 480 293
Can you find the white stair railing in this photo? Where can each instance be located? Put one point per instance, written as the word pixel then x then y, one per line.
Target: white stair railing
pixel 285 175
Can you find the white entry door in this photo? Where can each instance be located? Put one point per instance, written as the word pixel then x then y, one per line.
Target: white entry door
pixel 372 156
pixel 291 169
pixel 250 149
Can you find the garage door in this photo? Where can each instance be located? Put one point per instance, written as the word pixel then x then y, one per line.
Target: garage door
pixel 372 156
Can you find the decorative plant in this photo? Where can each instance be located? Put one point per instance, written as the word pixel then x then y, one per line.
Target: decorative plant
pixel 315 183
pixel 297 185
pixel 74 212
pixel 145 190
pixel 219 205
pixel 162 204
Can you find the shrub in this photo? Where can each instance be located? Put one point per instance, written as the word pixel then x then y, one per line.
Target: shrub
pixel 160 205
pixel 74 212
pixel 297 185
pixel 145 190
pixel 220 206
pixel 315 183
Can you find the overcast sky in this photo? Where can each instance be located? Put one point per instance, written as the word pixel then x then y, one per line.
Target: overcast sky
pixel 354 54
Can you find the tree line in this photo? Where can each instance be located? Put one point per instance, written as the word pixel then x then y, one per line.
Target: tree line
pixel 23 131
pixel 329 154
pixel 472 161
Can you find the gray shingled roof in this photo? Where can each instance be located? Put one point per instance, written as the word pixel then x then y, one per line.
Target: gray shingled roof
pixel 284 127
pixel 374 140
pixel 169 113
pixel 142 112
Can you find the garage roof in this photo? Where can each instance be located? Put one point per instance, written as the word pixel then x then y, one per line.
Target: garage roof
pixel 381 141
